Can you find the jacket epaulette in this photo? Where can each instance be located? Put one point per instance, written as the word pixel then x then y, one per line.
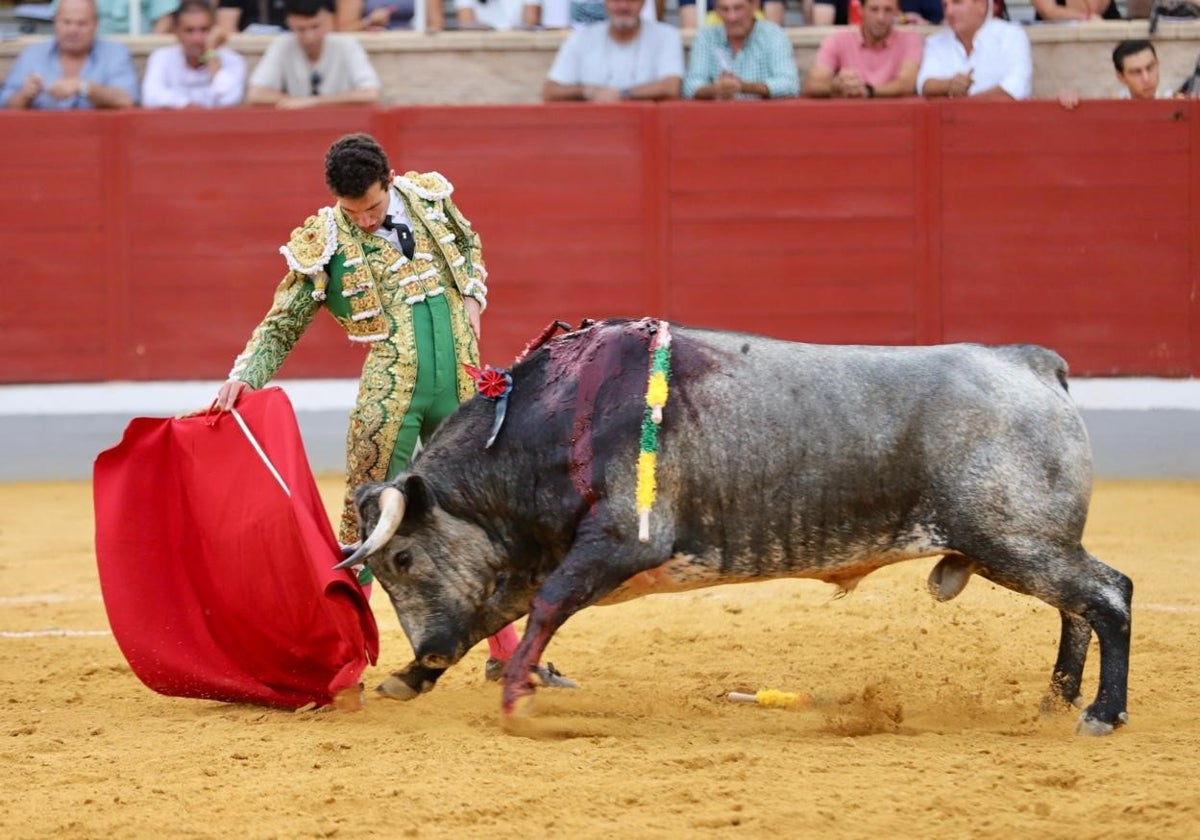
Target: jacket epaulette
pixel 311 245
pixel 431 186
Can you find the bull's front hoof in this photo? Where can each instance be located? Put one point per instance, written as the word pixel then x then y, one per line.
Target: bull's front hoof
pixel 1091 726
pixel 396 688
pixel 521 708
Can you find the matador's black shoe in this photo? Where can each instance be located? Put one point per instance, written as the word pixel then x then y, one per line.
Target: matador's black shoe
pixel 548 675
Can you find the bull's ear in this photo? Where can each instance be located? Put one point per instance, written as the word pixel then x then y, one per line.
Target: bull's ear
pixel 366 502
pixel 419 498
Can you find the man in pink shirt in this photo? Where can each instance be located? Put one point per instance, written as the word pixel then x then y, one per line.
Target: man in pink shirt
pixel 878 60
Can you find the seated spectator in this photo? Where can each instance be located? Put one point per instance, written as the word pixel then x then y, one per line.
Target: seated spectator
pixel 153 16
pixel 1136 63
pixel 875 60
pixel 496 14
pixel 311 66
pixel 189 74
pixel 1076 10
pixel 771 10
pixel 576 14
pixel 625 58
pixel 741 58
pixel 74 69
pixel 976 55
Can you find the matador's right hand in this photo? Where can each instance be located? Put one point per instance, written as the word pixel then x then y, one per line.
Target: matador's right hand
pixel 228 396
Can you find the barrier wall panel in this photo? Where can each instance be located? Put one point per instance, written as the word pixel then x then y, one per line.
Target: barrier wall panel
pixel 56 242
pixel 1033 250
pixel 792 225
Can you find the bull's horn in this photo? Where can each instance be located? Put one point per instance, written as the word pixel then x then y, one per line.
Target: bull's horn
pixel 391 513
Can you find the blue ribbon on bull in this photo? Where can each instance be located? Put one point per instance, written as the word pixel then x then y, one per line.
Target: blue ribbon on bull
pixel 493 384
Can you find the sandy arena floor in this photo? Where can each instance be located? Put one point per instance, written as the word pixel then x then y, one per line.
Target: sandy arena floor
pixel 929 726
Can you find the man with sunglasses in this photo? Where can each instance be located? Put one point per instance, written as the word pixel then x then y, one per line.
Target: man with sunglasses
pixel 312 66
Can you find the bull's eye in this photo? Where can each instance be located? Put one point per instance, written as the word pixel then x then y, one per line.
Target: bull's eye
pixel 401 560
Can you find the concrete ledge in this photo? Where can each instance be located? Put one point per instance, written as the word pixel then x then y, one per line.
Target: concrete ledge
pixel 509 67
pixel 1140 428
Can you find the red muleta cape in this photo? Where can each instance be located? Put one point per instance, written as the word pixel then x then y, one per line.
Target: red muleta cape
pixel 218 583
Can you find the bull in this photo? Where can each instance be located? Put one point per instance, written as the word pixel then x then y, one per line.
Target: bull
pixel 774 460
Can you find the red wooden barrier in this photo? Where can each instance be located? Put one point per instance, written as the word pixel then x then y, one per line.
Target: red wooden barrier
pixel 143 245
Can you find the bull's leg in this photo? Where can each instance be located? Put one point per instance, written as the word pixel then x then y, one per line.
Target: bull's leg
pixel 409 681
pixel 1091 594
pixel 1066 681
pixel 593 567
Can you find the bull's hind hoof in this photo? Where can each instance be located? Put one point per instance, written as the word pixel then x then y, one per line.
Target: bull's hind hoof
pixel 1096 728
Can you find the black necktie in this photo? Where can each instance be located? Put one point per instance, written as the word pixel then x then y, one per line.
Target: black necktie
pixel 407 244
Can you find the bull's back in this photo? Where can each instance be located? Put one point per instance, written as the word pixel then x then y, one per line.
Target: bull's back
pixel 821 454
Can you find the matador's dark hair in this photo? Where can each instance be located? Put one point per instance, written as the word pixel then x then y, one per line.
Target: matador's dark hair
pixel 353 163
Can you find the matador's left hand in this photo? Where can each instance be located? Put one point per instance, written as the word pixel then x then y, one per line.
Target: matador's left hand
pixel 473 312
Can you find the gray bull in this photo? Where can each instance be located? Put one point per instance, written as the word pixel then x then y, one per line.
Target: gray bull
pixel 774 460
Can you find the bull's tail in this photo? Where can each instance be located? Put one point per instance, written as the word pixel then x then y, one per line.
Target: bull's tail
pixel 1041 360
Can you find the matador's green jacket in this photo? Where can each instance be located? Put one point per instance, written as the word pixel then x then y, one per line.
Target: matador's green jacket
pixel 370 287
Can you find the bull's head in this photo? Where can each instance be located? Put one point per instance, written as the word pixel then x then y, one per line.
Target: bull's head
pixel 437 569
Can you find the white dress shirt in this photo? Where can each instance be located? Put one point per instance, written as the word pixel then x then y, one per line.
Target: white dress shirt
pixel 170 83
pixel 1000 57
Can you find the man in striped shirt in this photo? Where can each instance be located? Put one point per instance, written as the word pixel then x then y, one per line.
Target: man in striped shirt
pixel 741 58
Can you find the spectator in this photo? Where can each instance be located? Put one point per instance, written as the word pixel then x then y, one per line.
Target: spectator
pixel 153 16
pixel 875 60
pixel 771 10
pixel 741 58
pixel 976 55
pixel 74 69
pixel 1136 63
pixel 497 14
pixel 311 66
pixel 576 14
pixel 625 58
pixel 189 74
pixel 1076 10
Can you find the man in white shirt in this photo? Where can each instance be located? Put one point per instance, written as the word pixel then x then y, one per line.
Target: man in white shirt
pixel 312 66
pixel 189 74
pixel 625 58
pixel 976 55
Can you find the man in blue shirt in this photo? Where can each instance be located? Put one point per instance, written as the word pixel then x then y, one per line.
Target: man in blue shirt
pixel 74 69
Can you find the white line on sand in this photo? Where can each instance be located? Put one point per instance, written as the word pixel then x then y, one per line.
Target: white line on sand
pixel 50 631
